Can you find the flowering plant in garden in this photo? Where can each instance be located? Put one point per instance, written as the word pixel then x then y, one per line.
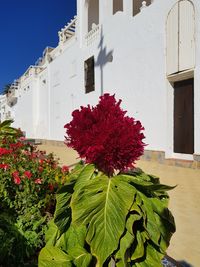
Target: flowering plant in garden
pixel 105 136
pixel 29 179
pixel 108 213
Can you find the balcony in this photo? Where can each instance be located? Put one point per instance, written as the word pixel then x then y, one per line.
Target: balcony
pixel 92 35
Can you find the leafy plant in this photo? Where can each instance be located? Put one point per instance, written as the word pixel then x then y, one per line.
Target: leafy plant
pixel 7 130
pixel 108 213
pixel 29 179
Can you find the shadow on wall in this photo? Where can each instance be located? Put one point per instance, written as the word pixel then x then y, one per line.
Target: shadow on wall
pixel 103 58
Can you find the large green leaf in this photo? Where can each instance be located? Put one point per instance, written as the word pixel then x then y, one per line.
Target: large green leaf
pixel 54 257
pixel 62 217
pixel 85 175
pixel 139 248
pixel 134 216
pixel 103 203
pixel 153 258
pixel 81 258
pixel 151 223
pixel 125 243
pixel 52 234
pixel 75 172
pixel 148 187
pixel 75 237
pixel 160 207
pixel 164 220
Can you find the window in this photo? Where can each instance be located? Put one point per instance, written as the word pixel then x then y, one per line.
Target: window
pixel 137 4
pixel 181 37
pixel 93 14
pixel 117 6
pixel 89 75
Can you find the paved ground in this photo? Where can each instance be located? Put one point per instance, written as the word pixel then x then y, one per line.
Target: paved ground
pixel 184 202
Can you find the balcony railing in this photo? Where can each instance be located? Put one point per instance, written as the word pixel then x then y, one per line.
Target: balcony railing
pixel 92 35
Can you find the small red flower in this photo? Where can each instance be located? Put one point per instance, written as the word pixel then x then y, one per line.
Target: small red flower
pixel 51 187
pixel 38 181
pixel 41 161
pixel 16 177
pixel 16 146
pixel 28 174
pixel 65 169
pixel 40 169
pixel 4 166
pixel 5 151
pixel 104 136
pixel 33 155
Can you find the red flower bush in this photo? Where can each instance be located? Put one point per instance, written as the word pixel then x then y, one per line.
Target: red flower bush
pixel 4 151
pixel 103 135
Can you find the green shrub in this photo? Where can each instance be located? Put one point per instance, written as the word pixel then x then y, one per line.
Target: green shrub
pixel 29 179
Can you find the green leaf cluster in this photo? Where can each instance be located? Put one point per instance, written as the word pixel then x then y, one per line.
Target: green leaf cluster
pixel 25 207
pixel 109 221
pixel 6 129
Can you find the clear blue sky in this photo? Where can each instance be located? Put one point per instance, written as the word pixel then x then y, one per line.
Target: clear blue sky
pixel 26 28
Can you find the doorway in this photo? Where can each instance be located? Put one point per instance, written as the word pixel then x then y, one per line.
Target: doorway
pixel 184 116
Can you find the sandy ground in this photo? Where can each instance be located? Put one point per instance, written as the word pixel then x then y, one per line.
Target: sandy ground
pixel 184 202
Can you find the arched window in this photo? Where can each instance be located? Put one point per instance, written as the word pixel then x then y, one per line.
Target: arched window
pixel 93 13
pixel 180 46
pixel 117 6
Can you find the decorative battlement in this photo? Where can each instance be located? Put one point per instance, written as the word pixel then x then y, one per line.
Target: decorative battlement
pixel 68 31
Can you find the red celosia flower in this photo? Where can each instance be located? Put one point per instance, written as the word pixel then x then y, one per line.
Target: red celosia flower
pixel 5 151
pixel 28 174
pixel 65 169
pixel 38 181
pixel 103 135
pixel 4 166
pixel 16 177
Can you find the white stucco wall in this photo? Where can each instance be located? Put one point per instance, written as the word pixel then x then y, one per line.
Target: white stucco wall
pixel 25 109
pixel 130 61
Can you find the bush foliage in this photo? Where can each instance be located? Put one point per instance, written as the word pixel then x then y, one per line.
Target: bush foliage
pixel 29 179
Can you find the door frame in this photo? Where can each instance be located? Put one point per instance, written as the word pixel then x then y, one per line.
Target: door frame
pixel 171 79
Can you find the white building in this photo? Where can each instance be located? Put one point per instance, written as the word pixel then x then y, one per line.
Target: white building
pixel 147 53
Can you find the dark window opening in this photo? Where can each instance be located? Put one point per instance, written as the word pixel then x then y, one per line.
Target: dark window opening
pixel 137 4
pixel 117 6
pixel 89 75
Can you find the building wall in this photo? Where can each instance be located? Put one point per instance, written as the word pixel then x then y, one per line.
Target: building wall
pixel 25 109
pixel 130 62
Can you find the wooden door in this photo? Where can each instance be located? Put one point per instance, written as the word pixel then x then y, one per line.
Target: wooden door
pixel 184 117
